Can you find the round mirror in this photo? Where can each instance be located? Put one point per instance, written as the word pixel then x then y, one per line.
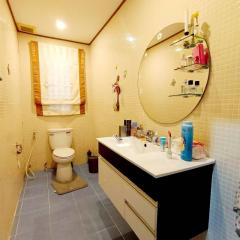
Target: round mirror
pixel 173 74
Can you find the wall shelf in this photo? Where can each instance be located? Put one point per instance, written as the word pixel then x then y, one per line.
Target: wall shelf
pixel 186 95
pixel 185 38
pixel 192 67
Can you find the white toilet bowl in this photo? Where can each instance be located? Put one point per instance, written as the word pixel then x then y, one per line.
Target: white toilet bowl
pixel 60 140
pixel 63 157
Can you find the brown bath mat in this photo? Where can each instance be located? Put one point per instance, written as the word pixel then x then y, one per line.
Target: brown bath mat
pixel 75 184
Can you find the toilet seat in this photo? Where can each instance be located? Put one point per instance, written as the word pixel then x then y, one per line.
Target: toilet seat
pixel 63 155
pixel 63 152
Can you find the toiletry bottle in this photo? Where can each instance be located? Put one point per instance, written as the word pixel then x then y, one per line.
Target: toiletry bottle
pixel 155 138
pixel 195 55
pixel 201 53
pixel 186 23
pixel 198 54
pixel 169 150
pixel 140 132
pixel 187 135
pixel 206 56
pixel 133 128
pixel 127 123
pixel 163 141
pixel 122 131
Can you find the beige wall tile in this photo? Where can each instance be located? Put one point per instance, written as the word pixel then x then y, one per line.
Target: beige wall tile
pixel 11 177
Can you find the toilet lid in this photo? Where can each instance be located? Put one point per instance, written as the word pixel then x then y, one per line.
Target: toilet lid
pixel 63 152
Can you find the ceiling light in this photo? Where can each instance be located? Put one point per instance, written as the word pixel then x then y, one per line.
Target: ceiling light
pixel 131 38
pixel 60 24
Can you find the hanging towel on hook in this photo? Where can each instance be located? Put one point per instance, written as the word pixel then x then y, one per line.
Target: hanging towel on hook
pixel 236 208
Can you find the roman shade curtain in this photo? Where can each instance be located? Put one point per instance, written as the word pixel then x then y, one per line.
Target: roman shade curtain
pixel 58 74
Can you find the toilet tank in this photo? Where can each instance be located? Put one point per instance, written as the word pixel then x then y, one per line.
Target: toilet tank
pixel 60 137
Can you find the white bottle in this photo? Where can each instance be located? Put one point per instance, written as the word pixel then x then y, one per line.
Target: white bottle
pixel 155 138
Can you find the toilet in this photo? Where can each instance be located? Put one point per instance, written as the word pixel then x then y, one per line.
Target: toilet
pixel 60 140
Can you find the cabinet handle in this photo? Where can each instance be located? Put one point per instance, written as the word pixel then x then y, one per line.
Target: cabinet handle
pixel 140 217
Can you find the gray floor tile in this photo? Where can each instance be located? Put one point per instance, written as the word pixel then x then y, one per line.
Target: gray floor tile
pixel 50 187
pixel 34 204
pixel 122 225
pixel 33 222
pixel 93 177
pixel 93 214
pixel 83 193
pixel 36 191
pixel 104 199
pixel 64 213
pixel 40 180
pixel 59 200
pixel 96 187
pixel 70 230
pixel 90 204
pixel 110 233
pixel 95 222
pixel 36 234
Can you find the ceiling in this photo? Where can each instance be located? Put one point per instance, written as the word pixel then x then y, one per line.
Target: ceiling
pixel 83 18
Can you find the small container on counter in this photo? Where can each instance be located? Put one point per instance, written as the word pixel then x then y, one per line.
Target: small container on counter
pixel 122 131
pixel 133 128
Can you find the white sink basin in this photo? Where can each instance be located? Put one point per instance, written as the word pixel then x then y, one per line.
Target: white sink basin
pixel 136 146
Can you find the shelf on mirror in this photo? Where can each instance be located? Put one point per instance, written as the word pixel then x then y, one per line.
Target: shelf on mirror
pixel 192 67
pixel 185 38
pixel 185 95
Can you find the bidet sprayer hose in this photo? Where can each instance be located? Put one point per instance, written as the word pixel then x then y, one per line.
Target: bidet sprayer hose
pixel 28 171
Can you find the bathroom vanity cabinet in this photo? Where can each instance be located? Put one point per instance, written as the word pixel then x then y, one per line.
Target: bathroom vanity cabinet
pixel 136 207
pixel 174 205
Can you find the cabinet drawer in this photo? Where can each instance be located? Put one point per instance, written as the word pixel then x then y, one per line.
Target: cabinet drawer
pixel 141 203
pixel 138 209
pixel 137 223
pixel 112 184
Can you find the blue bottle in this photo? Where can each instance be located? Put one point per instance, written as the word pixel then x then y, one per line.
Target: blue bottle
pixel 187 135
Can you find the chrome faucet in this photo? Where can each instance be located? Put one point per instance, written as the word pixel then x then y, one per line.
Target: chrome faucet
pixel 149 135
pixel 118 138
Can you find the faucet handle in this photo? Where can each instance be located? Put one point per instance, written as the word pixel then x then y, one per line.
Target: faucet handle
pixel 149 135
pixel 118 138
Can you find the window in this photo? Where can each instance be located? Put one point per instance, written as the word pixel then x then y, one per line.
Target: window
pixel 58 74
